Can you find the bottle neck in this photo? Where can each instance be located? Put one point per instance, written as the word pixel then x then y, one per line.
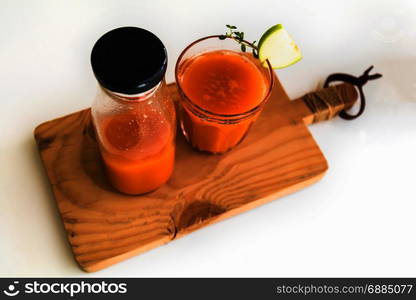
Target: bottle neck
pixel 132 98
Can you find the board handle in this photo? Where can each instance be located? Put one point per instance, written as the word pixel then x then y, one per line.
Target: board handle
pixel 328 102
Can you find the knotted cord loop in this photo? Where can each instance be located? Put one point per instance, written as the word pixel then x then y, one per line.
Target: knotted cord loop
pixel 359 82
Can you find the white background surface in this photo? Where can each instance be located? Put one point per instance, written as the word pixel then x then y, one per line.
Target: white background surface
pixel 360 220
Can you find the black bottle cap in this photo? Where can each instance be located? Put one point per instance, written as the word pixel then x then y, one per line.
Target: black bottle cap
pixel 129 60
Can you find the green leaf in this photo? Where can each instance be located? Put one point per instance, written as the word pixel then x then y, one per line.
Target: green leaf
pixel 239 34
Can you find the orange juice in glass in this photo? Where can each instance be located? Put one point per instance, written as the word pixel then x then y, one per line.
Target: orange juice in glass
pixel 222 90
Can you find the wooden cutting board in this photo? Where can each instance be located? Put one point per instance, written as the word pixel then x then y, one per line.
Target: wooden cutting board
pixel 278 156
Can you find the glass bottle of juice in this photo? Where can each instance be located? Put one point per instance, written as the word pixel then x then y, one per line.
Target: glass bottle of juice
pixel 133 114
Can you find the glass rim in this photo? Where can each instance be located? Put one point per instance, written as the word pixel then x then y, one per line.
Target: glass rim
pixel 213 115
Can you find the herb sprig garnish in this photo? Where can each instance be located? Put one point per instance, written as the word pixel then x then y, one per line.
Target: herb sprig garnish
pixel 239 37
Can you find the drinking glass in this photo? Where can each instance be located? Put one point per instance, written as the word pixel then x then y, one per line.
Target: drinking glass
pixel 217 116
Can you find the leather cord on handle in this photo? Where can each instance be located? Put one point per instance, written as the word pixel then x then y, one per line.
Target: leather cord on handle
pixel 359 82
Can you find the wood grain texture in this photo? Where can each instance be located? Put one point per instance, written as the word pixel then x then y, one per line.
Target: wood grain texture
pixel 277 157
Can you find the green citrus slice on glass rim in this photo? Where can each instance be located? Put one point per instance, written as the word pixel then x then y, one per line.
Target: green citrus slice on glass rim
pixel 278 47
